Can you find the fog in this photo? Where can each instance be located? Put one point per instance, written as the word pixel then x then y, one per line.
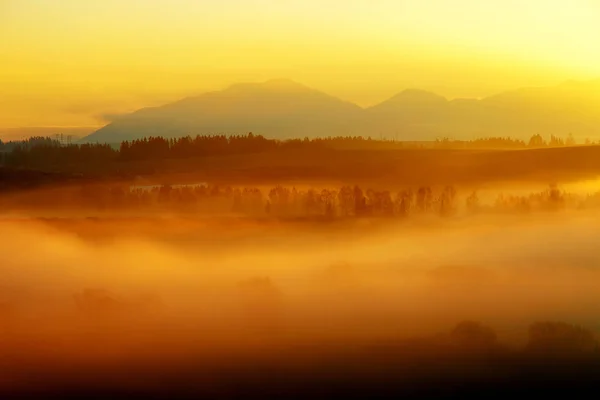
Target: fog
pixel 103 293
pixel 368 282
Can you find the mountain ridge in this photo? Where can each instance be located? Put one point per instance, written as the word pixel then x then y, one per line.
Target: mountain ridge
pixel 283 109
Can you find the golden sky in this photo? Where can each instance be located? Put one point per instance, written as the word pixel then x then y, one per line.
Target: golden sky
pixel 69 62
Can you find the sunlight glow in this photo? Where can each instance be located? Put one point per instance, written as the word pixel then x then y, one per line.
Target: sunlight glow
pixel 70 62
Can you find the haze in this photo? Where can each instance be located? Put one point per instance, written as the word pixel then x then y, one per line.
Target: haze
pixel 70 63
pixel 299 198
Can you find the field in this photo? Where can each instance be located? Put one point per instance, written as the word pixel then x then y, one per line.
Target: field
pixel 387 166
pixel 407 167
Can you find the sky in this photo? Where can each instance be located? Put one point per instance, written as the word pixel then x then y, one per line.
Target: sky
pixel 73 62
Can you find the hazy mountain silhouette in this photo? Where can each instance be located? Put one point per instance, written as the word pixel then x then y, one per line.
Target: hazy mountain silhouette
pixel 410 115
pixel 276 108
pixel 568 108
pixel 285 109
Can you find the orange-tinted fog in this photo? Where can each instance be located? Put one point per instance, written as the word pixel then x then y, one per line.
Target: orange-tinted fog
pixel 276 285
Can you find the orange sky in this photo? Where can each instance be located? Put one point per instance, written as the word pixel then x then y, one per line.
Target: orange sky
pixel 68 62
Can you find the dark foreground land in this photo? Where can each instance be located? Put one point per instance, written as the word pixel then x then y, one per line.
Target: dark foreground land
pixel 468 362
pixel 385 372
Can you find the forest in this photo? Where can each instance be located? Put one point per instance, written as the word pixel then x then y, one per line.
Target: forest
pixel 252 159
pixel 45 152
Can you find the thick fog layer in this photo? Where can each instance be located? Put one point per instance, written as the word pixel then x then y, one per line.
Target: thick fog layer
pixel 310 281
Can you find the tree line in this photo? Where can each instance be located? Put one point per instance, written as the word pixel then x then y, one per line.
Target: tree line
pixel 47 153
pixel 289 202
pixel 535 141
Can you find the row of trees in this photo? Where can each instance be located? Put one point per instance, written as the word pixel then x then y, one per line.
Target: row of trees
pixel 535 141
pixel 48 153
pixel 27 143
pixel 280 201
pixel 555 141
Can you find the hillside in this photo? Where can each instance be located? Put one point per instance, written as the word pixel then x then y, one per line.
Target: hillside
pixel 278 108
pixel 241 163
pixel 409 167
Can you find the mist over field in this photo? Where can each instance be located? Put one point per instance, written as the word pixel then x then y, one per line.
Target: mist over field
pixel 278 291
pixel 223 274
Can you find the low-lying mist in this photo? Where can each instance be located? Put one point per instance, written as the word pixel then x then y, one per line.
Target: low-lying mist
pixel 198 292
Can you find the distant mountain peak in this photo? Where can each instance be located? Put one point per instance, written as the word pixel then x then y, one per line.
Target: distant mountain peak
pixel 418 95
pixel 411 99
pixel 283 83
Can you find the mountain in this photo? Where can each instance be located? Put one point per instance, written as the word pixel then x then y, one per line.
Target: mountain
pixel 284 109
pixel 572 107
pixel 410 114
pixel 276 108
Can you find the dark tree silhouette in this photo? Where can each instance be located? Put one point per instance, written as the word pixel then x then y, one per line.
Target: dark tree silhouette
pixel 472 335
pixel 559 338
